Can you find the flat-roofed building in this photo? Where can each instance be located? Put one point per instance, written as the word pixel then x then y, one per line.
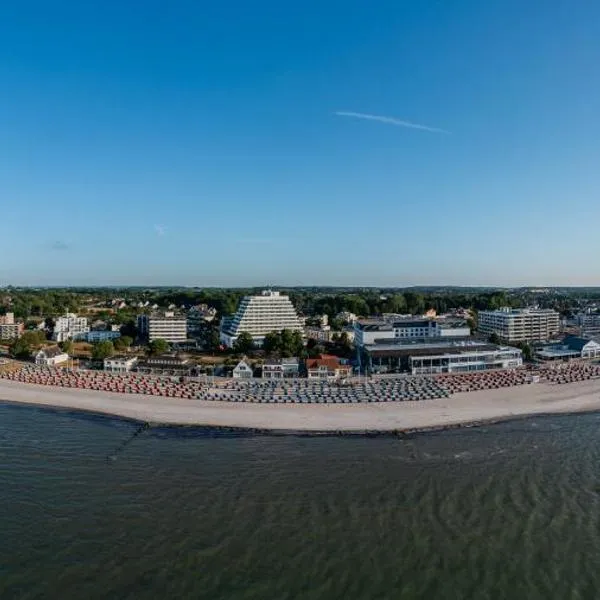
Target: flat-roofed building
pixel 428 356
pixel 70 327
pixel 11 331
pixel 588 324
pixel 520 325
pixel 259 315
pixel 371 331
pixel 168 326
pixel 120 364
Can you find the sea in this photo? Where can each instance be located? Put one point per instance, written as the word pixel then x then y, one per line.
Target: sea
pixel 93 507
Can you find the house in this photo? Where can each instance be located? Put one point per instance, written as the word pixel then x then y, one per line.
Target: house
pixel 280 368
pixel 242 370
pixel 120 364
pixel 51 356
pixel 327 366
pixel 166 364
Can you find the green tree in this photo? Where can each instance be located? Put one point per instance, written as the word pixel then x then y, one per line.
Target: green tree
pixel 123 342
pixel 27 343
pixel 244 343
pixel 158 346
pixel 272 342
pixel 129 330
pixel 494 339
pixel 102 350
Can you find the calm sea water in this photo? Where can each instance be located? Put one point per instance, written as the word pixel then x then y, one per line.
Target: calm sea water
pixel 506 511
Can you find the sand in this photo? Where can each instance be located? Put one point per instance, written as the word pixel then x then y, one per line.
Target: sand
pixel 464 408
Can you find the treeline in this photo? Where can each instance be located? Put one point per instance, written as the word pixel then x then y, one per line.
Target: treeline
pixel 30 303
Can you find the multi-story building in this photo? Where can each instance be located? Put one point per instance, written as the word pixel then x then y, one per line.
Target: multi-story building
pixel 167 326
pixel 9 328
pixel 372 331
pixel 281 368
pixel 11 331
pixel 258 315
pixel 520 325
pixel 588 324
pixel 7 319
pixel 70 327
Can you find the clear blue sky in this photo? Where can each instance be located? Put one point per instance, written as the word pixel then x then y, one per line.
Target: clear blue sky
pixel 196 143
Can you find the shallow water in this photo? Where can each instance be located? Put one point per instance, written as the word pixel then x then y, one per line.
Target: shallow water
pixel 88 511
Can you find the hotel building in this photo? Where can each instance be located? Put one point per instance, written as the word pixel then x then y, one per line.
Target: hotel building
pixel 259 315
pixel 166 326
pixel 70 327
pixel 520 325
pixel 411 328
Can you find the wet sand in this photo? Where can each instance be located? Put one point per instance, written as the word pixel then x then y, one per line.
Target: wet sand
pixel 464 408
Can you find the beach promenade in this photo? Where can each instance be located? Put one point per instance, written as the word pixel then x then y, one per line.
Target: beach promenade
pixel 460 408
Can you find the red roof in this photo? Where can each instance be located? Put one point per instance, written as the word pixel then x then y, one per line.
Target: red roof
pixel 324 360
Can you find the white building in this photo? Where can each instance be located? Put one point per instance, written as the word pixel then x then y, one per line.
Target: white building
pixel 70 327
pixel 281 368
pixel 520 325
pixel 470 359
pixel 383 331
pixel 259 315
pixel 49 357
pixel 571 347
pixel 120 364
pixel 242 370
pixel 167 326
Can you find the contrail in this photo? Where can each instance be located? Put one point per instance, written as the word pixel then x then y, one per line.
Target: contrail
pixel 389 121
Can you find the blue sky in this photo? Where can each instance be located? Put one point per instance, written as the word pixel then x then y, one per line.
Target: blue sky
pixel 198 143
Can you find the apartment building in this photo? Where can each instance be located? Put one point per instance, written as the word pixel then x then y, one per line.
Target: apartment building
pixel 70 327
pixel 11 331
pixel 259 315
pixel 588 324
pixel 167 326
pixel 520 325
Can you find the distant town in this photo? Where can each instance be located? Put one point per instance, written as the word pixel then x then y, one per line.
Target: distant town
pixel 313 333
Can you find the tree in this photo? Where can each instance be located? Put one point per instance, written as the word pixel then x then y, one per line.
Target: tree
pixel 102 350
pixel 494 339
pixel 23 346
pixel 244 343
pixel 123 342
pixel 129 330
pixel 158 346
pixel 272 342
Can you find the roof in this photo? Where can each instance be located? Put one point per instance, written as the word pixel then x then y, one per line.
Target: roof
pixel 424 346
pixel 52 351
pixel 242 365
pixel 575 343
pixel 325 360
pixel 281 361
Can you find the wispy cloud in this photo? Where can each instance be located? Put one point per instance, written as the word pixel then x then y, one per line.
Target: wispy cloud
pixel 59 246
pixel 160 230
pixel 389 121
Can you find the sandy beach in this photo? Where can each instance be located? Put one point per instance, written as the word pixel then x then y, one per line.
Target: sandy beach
pixel 464 408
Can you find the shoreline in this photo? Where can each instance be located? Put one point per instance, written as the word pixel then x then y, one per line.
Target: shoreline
pixel 468 409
